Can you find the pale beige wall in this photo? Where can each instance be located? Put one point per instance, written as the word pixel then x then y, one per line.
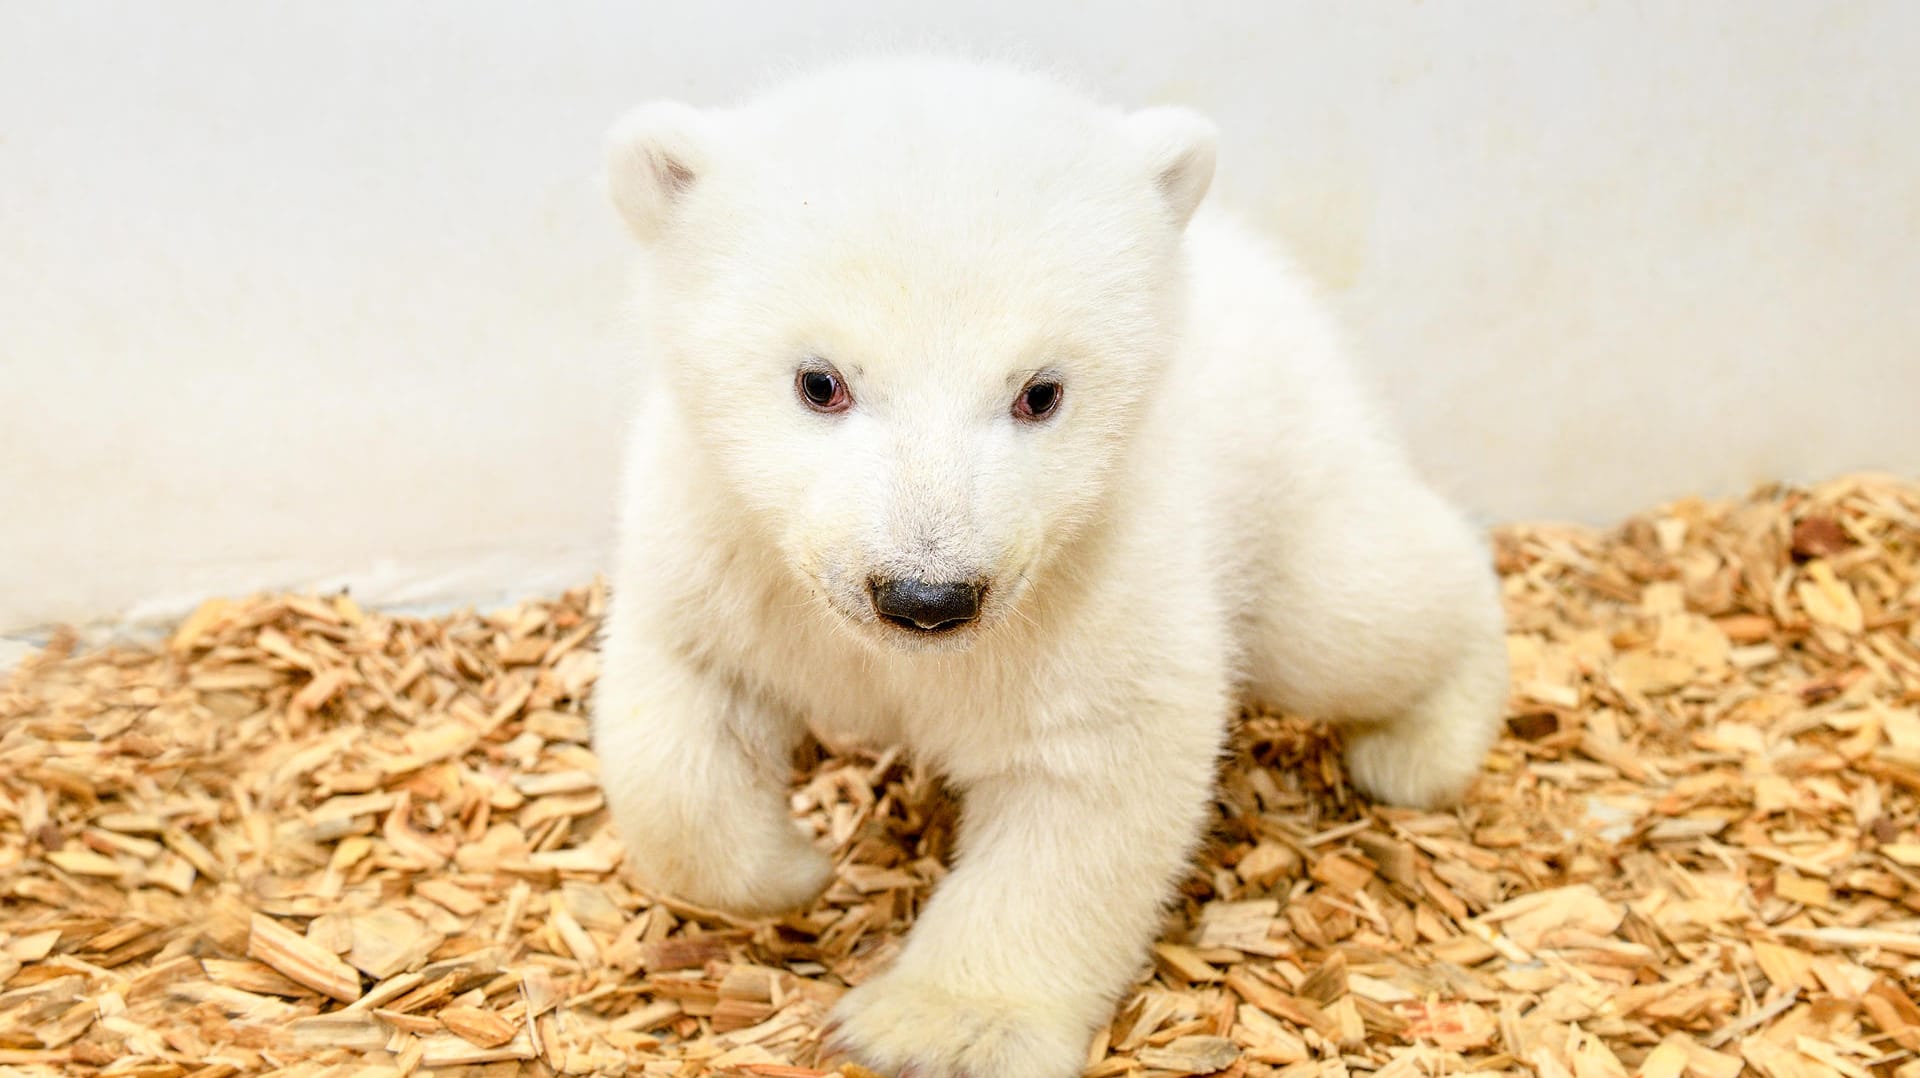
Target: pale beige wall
pixel 303 293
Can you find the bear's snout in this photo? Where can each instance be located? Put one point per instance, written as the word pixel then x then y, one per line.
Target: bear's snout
pixel 927 606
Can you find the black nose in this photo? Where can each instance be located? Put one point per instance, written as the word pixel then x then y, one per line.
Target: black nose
pixel 926 606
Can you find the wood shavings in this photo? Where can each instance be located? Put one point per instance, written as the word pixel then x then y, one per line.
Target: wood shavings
pixel 304 839
pixel 302 960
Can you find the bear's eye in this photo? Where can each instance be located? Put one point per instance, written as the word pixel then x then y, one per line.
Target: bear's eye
pixel 823 389
pixel 1037 400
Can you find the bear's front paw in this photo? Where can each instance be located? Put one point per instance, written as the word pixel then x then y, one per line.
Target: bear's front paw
pixel 781 872
pixel 901 1024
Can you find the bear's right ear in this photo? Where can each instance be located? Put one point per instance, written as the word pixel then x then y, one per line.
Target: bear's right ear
pixel 654 157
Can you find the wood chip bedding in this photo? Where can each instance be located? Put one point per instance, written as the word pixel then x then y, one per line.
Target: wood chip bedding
pixel 303 838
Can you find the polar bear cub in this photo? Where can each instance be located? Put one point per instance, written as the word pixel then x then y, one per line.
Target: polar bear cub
pixel 966 428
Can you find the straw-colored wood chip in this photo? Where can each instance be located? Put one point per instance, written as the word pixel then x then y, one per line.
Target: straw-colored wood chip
pixel 301 838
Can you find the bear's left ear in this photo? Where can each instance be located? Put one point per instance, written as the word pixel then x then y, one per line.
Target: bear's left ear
pixel 654 157
pixel 1179 143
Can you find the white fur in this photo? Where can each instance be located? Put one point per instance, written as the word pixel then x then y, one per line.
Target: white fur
pixel 1214 514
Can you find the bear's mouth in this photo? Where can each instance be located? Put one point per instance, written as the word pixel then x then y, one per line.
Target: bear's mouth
pixel 944 628
pixel 891 637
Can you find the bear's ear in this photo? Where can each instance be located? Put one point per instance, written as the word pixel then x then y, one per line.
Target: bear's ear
pixel 654 157
pixel 1179 144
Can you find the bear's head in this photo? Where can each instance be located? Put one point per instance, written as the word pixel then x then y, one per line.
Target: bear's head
pixel 914 312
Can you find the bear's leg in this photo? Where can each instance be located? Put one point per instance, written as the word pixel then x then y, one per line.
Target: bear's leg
pixel 1046 919
pixel 1383 613
pixel 1428 754
pixel 695 772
